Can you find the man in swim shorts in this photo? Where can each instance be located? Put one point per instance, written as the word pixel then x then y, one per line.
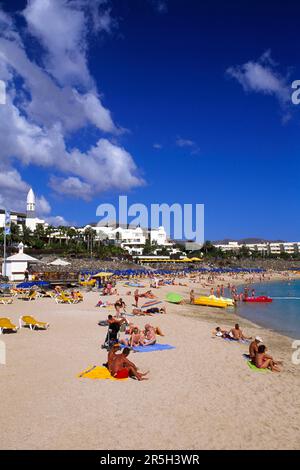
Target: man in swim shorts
pixel 122 368
pixel 237 334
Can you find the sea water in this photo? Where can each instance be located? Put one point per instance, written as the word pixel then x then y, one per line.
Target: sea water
pixel 283 314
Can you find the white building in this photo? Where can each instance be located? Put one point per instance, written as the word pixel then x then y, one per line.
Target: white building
pixel 131 239
pixel 31 220
pixel 18 218
pixel 273 248
pixel 16 265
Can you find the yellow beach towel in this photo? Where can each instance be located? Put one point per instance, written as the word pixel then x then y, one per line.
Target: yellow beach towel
pixel 97 372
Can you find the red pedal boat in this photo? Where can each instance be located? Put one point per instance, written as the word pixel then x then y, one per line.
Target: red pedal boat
pixel 262 299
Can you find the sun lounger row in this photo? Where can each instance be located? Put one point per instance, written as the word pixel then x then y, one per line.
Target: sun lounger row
pixel 25 320
pixel 6 300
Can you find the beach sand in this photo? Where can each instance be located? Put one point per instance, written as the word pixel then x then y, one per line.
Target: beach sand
pixel 201 395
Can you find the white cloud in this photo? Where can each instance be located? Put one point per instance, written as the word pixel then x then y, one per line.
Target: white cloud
pixel 57 220
pixel 159 5
pixel 14 192
pixel 157 146
pixel 71 186
pixel 42 206
pixel 187 143
pixel 62 28
pixel 46 103
pixel 105 165
pixel 49 103
pixel 262 76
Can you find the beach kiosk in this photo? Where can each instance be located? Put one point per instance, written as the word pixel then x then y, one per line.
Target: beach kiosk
pixel 16 265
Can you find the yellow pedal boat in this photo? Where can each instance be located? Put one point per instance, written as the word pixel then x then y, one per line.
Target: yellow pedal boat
pixel 210 302
pixel 229 302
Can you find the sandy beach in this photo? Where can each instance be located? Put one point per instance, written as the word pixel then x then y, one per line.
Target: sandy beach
pixel 201 395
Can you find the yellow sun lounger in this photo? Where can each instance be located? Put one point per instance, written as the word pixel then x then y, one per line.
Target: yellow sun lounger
pixel 30 321
pixel 64 299
pixel 6 300
pixel 30 297
pixel 6 324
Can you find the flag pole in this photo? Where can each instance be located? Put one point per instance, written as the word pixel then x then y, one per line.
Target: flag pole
pixel 4 252
pixel 6 232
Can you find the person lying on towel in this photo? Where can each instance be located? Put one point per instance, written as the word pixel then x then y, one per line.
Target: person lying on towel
pixel 220 332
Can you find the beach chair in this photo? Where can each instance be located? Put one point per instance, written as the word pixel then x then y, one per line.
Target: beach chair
pixel 64 299
pixel 30 297
pixel 27 320
pixel 6 300
pixel 6 324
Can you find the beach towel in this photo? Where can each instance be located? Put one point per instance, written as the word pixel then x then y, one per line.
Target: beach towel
pixel 242 341
pixel 246 356
pixel 151 348
pixel 256 369
pixel 97 372
pixel 151 303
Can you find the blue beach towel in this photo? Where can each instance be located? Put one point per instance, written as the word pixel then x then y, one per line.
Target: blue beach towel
pixel 152 347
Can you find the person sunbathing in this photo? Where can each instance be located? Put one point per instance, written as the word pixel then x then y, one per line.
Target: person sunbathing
pixel 120 305
pixel 122 368
pixel 161 310
pixel 237 334
pixel 264 361
pixel 219 332
pixel 111 356
pixel 140 312
pixel 149 336
pixel 135 339
pixel 253 347
pixel 148 295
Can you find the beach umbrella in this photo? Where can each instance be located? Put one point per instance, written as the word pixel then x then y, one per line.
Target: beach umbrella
pixel 151 303
pixel 103 274
pixel 26 285
pixel 59 262
pixel 174 298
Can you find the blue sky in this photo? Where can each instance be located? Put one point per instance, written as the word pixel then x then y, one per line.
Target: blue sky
pixel 165 101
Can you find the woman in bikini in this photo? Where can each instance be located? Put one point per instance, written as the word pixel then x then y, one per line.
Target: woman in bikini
pixel 263 361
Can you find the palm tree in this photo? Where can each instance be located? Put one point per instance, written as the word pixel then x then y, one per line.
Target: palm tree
pixel 90 235
pixel 48 232
pixel 71 233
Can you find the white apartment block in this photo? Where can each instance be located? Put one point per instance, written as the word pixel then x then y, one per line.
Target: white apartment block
pixel 131 239
pixel 263 248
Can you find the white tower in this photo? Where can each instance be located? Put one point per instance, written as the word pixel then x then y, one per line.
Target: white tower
pixel 30 208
